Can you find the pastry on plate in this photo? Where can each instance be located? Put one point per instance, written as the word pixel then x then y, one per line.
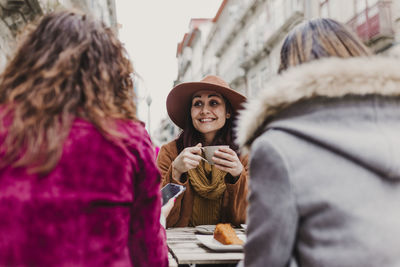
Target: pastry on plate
pixel 225 234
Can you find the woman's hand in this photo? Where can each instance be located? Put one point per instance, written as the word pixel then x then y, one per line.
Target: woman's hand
pixel 188 159
pixel 227 160
pixel 165 210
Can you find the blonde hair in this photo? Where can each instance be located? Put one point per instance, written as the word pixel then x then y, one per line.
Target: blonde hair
pixel 319 38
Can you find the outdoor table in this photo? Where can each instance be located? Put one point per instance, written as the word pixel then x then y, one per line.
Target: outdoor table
pixel 171 260
pixel 185 248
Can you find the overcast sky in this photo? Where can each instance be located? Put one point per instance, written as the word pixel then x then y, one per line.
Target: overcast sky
pixel 151 30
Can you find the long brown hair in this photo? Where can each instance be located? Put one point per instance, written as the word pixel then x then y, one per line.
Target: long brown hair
pixel 69 66
pixel 319 38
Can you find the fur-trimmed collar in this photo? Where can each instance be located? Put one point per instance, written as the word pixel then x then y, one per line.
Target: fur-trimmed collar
pixel 332 77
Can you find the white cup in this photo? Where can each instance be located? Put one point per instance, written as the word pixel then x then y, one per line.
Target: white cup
pixel 209 152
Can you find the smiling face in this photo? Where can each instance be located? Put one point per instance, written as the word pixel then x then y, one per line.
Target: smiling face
pixel 208 111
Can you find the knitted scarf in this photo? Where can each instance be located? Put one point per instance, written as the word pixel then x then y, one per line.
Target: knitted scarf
pixel 209 186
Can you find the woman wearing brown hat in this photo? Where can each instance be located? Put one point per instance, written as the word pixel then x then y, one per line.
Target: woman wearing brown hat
pixel 215 193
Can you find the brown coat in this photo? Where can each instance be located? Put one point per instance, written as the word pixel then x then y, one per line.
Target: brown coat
pixel 234 201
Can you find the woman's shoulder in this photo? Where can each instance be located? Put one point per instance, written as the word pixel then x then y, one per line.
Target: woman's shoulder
pixel 132 128
pixel 244 158
pixel 127 129
pixel 169 148
pixel 170 145
pixel 129 136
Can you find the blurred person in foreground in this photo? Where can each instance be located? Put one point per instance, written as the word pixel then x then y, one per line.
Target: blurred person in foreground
pixel 78 181
pixel 206 111
pixel 325 155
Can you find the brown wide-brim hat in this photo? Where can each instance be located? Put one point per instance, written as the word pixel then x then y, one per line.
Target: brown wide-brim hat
pixel 179 99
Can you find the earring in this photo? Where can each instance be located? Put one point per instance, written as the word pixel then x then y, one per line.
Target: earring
pixel 228 115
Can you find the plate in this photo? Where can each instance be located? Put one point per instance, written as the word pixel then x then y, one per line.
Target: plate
pixel 205 229
pixel 244 226
pixel 211 243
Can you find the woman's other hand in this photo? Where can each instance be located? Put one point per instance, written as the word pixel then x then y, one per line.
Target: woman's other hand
pixel 188 159
pixel 165 210
pixel 227 160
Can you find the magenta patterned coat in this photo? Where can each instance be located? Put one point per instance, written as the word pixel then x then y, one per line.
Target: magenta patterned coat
pixel 100 206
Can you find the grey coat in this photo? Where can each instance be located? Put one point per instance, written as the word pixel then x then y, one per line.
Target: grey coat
pixel 325 166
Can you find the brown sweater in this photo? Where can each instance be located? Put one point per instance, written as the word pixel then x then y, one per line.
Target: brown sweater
pixel 234 201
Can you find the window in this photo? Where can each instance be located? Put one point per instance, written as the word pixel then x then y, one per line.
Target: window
pixel 254 85
pixel 293 5
pixel 252 39
pixel 262 30
pixel 364 7
pixel 265 75
pixel 361 5
pixel 277 14
pixel 372 2
pixel 324 8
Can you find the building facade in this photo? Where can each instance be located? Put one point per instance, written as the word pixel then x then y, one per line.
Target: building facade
pixel 243 43
pixel 16 14
pixel 190 50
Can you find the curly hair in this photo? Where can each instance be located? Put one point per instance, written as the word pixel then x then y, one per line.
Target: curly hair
pixel 69 66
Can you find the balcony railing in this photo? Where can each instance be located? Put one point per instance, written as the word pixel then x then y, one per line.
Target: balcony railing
pixel 374 22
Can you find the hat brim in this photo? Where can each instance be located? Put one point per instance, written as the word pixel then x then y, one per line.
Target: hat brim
pixel 179 99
